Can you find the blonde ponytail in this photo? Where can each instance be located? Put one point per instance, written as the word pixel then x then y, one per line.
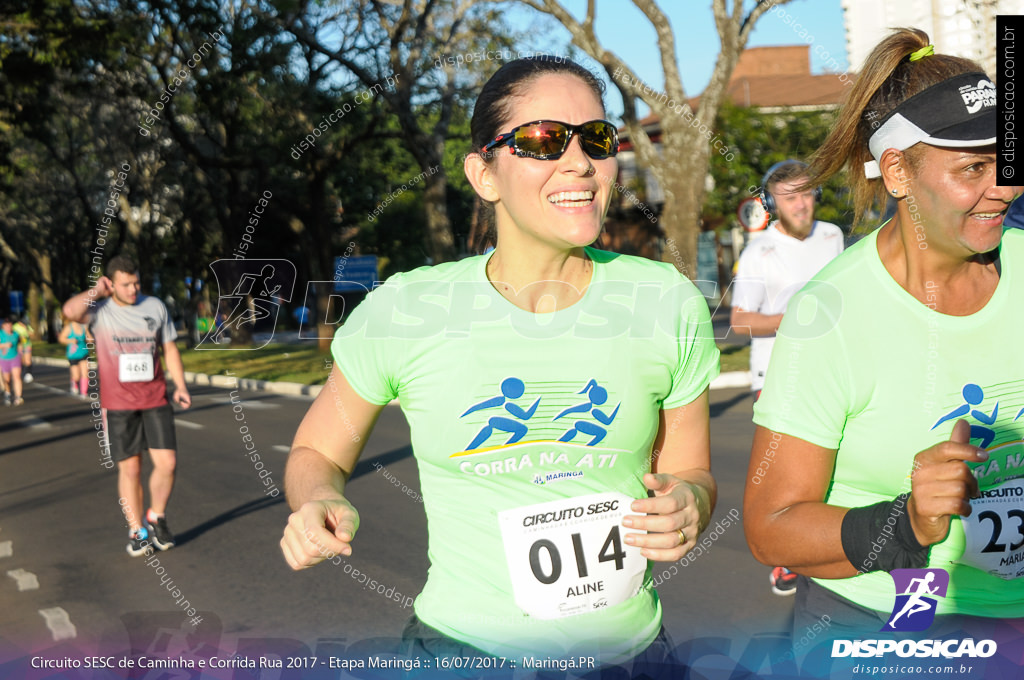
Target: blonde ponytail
pixel 888 78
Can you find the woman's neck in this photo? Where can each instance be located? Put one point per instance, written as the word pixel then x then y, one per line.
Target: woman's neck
pixel 540 282
pixel 948 282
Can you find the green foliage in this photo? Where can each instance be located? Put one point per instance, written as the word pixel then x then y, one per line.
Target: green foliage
pixel 757 141
pixel 79 81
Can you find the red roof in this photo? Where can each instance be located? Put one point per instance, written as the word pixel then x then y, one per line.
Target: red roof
pixel 778 60
pixel 788 91
pixel 777 77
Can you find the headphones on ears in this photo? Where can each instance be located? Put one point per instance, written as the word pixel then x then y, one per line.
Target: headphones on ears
pixel 767 200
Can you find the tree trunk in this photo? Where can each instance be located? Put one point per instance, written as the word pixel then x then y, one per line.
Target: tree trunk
pixel 32 308
pixel 679 219
pixel 441 242
pixel 47 294
pixel 680 174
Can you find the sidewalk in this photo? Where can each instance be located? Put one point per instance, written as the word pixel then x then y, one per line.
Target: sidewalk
pixel 723 381
pixel 224 381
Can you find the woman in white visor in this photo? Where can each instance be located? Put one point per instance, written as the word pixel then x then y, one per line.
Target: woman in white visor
pixel 889 430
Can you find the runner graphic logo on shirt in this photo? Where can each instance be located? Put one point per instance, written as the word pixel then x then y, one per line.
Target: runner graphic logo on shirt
pixel 515 413
pixel 973 396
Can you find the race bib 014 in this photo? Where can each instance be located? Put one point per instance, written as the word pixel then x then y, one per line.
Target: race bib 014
pixel 567 557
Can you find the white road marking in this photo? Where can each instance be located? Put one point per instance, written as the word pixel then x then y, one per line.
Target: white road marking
pixel 65 392
pixel 247 404
pixel 6 548
pixel 188 424
pixel 33 423
pixel 26 580
pixel 59 623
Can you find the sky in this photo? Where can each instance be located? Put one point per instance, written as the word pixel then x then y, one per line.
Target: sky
pixel 624 30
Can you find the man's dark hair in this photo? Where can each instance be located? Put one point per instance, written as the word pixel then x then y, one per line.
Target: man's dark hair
pixel 787 173
pixel 121 263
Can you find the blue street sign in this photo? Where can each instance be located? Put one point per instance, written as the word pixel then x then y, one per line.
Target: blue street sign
pixel 17 302
pixel 355 274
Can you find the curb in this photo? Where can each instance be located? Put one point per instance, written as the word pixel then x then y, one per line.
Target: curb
pixel 724 381
pixel 49 361
pixel 223 381
pixel 232 383
pixel 731 380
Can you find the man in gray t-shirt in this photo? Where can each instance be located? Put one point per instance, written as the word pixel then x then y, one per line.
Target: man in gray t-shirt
pixel 131 332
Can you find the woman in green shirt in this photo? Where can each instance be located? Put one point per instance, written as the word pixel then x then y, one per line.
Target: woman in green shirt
pixel 889 433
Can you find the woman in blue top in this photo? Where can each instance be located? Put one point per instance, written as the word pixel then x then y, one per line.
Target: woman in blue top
pixel 10 362
pixel 75 336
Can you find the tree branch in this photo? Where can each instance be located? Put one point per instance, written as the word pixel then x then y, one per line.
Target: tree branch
pixel 667 46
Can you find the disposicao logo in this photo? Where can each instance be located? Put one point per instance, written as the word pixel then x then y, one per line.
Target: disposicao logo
pixel 916 593
pixel 258 289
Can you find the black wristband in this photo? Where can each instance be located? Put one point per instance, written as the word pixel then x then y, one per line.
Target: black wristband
pixel 880 537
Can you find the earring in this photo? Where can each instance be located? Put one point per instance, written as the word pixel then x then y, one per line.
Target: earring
pixel 893 192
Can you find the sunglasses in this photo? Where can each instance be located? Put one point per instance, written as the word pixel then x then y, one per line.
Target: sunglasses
pixel 547 140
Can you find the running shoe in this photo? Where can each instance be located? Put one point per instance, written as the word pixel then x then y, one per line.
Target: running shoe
pixel 19 401
pixel 27 377
pixel 159 534
pixel 138 543
pixel 783 581
pixel 7 398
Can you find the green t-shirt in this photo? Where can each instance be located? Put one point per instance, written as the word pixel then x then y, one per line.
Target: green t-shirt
pixel 532 433
pixel 863 367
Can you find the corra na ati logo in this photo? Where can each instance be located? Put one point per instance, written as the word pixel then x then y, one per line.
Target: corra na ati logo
pixel 916 593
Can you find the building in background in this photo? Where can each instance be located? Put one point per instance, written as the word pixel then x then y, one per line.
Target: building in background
pixel 775 80
pixel 965 28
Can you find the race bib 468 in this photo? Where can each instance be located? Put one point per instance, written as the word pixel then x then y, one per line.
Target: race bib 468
pixel 135 367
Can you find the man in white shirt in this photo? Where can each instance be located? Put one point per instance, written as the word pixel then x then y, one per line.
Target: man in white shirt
pixel 772 268
pixel 779 261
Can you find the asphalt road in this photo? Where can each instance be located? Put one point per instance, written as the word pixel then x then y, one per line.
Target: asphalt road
pixel 62 540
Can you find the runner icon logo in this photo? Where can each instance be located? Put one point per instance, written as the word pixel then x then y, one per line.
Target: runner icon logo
pixel 258 289
pixel 916 593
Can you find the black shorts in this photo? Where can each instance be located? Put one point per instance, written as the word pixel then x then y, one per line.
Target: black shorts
pixel 75 362
pixel 814 603
pixel 131 432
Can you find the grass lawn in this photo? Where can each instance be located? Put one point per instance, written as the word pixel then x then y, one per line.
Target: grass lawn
pixel 735 357
pixel 304 363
